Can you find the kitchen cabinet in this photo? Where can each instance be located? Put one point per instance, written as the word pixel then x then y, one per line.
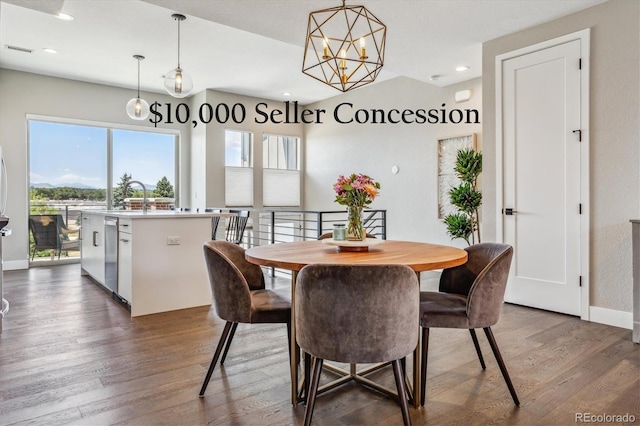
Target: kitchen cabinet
pixel 125 260
pixel 92 246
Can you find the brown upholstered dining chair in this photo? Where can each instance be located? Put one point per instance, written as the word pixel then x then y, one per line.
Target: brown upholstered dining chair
pixel 470 297
pixel 357 314
pixel 239 296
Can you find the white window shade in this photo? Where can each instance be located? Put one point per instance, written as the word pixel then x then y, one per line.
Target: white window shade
pixel 238 186
pixel 281 188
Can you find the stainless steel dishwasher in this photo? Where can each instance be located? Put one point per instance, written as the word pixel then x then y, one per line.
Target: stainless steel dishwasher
pixel 111 253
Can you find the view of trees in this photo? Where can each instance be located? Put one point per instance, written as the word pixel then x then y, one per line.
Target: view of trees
pixel 122 191
pixel 67 193
pixel 163 189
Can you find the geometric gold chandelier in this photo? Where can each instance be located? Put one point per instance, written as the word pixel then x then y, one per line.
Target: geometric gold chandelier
pixel 344 46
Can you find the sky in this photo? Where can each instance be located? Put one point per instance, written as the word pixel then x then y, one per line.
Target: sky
pixel 61 154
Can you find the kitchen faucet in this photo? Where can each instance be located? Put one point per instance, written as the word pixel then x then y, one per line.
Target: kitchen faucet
pixel 144 193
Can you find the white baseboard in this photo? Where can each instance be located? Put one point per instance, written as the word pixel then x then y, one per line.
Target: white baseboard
pixel 14 265
pixel 611 317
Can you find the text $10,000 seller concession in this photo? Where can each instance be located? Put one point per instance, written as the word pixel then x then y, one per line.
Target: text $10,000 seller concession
pixel 292 113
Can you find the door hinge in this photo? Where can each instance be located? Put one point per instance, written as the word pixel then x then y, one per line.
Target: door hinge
pixel 580 63
pixel 580 208
pixel 579 132
pixel 580 280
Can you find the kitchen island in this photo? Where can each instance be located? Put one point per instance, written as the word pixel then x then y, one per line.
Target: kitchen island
pixel 159 261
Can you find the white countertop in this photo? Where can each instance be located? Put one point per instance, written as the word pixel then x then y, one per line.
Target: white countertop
pixel 150 214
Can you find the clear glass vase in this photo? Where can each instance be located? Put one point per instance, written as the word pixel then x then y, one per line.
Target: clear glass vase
pixel 355 232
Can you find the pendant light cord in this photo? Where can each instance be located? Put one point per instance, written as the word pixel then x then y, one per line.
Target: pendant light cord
pixel 178 42
pixel 138 78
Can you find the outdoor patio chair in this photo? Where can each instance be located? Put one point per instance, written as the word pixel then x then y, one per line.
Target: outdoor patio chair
pixel 50 233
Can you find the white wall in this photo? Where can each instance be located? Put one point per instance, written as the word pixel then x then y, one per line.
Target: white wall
pixel 410 197
pixel 25 93
pixel 614 131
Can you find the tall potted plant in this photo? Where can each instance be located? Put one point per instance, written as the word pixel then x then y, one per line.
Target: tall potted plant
pixel 466 198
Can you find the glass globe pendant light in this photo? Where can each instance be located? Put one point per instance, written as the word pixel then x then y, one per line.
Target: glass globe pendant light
pixel 177 82
pixel 138 108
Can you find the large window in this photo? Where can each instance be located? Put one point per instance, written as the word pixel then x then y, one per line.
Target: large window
pixel 238 173
pixel 281 171
pixel 146 157
pixel 73 167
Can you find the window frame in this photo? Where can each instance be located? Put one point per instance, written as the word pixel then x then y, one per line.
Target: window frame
pixel 110 127
pixel 270 173
pixel 240 171
pixel 265 137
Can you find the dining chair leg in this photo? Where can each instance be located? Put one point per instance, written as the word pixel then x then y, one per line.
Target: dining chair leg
pixel 477 345
pixel 289 341
pixel 313 391
pixel 229 339
pixel 221 344
pixel 503 367
pixel 307 375
pixel 402 391
pixel 423 372
pixel 289 345
pixel 403 364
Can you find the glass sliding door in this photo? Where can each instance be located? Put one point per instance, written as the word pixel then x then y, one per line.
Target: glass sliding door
pixel 67 173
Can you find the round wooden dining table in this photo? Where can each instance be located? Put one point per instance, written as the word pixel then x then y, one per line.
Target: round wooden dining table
pixel 296 255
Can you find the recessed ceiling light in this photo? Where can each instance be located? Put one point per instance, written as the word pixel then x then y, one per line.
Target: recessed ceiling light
pixel 286 94
pixel 64 17
pixel 462 68
pixel 50 50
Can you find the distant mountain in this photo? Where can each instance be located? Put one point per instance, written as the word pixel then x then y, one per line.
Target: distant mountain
pixel 69 185
pixel 79 185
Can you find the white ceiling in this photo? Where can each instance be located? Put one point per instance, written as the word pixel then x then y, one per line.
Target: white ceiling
pixel 252 47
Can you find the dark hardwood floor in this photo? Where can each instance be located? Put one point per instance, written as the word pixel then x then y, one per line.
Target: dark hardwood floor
pixel 69 354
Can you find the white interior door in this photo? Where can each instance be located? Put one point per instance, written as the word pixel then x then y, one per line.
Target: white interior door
pixel 541 177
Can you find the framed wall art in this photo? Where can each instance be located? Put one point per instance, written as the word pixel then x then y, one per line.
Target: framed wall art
pixel 447 151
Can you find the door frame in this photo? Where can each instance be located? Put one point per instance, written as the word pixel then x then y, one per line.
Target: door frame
pixel 585 230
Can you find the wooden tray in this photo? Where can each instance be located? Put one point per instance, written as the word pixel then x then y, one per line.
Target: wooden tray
pixel 352 245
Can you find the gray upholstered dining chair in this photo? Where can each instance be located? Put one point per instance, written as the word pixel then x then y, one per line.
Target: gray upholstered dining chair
pixel 357 314
pixel 470 297
pixel 239 296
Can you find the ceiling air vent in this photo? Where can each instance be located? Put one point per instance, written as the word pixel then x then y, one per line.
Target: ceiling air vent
pixel 19 49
